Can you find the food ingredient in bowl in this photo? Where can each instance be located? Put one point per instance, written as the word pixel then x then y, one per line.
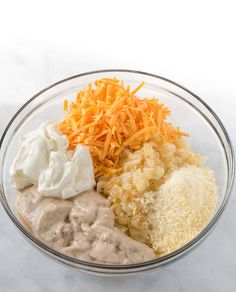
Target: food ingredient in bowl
pixel 68 174
pixel 43 160
pixel 33 155
pixel 110 118
pixel 181 208
pixel 82 228
pixel 144 171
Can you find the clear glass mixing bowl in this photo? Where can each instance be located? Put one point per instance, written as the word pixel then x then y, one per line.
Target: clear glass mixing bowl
pixel 207 136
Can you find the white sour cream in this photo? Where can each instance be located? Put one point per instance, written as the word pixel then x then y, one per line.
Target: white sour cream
pixel 43 160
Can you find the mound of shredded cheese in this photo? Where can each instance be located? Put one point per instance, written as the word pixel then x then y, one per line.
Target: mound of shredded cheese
pixel 108 117
pixel 183 206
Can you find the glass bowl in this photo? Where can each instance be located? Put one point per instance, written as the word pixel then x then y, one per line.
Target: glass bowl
pixel 207 136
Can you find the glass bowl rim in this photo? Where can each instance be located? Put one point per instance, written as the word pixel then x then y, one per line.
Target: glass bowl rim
pixel 129 268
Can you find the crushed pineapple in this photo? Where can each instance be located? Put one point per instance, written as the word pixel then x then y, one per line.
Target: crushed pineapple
pixel 144 171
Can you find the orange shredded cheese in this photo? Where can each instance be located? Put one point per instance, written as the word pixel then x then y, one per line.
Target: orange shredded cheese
pixel 65 105
pixel 110 117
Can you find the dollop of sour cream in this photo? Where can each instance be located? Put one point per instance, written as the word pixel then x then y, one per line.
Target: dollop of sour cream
pixel 43 160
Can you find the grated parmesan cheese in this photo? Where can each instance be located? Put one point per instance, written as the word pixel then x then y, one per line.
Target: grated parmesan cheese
pixel 182 208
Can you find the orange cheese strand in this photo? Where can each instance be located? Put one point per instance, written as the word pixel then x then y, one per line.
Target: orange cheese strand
pixel 108 117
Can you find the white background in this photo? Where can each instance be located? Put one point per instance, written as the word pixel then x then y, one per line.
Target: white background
pixel 190 42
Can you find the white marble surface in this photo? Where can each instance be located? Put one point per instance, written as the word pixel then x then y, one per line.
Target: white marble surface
pixel 193 45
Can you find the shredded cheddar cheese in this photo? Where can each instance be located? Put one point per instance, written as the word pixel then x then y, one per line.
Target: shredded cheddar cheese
pixel 110 117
